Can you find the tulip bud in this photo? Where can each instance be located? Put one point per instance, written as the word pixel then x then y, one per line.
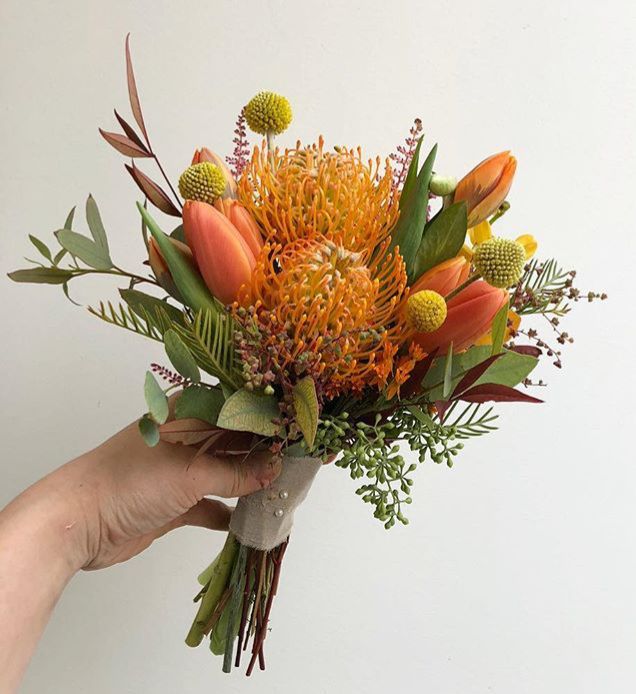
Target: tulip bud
pixel 442 185
pixel 160 267
pixel 486 186
pixel 224 259
pixel 443 278
pixel 204 154
pixel 244 223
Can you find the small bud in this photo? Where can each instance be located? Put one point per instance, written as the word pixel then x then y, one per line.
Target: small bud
pixel 442 185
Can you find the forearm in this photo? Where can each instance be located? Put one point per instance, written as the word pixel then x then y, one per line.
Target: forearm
pixel 38 556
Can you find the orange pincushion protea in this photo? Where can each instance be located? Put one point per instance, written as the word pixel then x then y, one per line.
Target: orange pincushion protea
pixel 326 310
pixel 306 191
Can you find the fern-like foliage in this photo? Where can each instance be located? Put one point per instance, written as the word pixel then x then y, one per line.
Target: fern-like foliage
pixel 140 322
pixel 211 341
pixel 542 289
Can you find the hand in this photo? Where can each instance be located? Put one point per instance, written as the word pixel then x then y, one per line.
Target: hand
pixel 126 495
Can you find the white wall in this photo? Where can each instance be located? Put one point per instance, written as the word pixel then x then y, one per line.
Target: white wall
pixel 516 574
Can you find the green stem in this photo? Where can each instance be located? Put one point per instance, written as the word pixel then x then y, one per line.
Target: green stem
pixel 473 278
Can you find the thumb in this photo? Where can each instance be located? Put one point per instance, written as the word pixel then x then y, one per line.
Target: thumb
pixel 231 476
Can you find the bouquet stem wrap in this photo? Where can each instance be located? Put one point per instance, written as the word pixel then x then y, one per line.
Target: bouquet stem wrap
pixel 263 520
pixel 239 586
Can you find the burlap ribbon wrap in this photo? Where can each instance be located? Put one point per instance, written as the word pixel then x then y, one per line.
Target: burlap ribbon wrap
pixel 264 519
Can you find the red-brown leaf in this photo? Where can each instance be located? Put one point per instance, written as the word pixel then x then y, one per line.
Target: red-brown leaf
pixel 123 144
pixel 418 374
pixel 529 350
pixel 152 191
pixel 133 94
pixel 441 406
pixel 186 431
pixel 497 393
pixel 129 130
pixel 475 374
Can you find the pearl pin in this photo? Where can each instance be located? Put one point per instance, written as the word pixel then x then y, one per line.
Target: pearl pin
pixel 279 513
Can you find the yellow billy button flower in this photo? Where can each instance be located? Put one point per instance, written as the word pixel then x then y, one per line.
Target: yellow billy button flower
pixel 483 231
pixel 204 182
pixel 426 311
pixel 499 261
pixel 268 113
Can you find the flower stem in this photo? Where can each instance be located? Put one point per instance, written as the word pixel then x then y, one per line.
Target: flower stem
pixel 474 277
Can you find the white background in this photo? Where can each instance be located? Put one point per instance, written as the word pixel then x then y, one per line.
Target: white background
pixel 517 572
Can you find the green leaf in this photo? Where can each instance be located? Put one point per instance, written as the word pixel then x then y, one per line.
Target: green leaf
pixel 188 281
pixel 498 330
pixel 411 174
pixel 95 224
pixel 143 304
pixel 247 411
pixel 508 370
pixel 85 249
pixel 200 402
pixel 41 275
pixel 68 224
pixel 41 246
pixel 178 233
pixel 59 255
pixel 149 430
pixel 181 357
pixel 448 373
pixel 155 399
pixel 443 238
pixel 407 233
pixel 306 406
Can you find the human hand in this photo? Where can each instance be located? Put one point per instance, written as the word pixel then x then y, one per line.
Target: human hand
pixel 120 497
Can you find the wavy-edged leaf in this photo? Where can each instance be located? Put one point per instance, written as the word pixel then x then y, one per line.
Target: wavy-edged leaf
pixel 155 399
pixel 157 196
pixel 306 406
pixel 95 224
pixel 248 411
pixel 180 356
pixel 497 393
pixel 200 402
pixel 130 132
pixel 85 249
pixel 41 275
pixel 41 246
pixel 443 238
pixel 133 94
pixel 149 430
pixel 124 145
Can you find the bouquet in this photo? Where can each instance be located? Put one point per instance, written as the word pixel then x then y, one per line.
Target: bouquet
pixel 320 305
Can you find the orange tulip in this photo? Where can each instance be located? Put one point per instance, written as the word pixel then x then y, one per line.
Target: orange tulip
pixel 470 313
pixel 204 154
pixel 223 257
pixel 243 221
pixel 486 186
pixel 443 278
pixel 160 267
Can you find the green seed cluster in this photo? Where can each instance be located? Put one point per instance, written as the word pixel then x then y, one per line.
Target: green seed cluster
pixel 500 261
pixel 268 113
pixel 204 182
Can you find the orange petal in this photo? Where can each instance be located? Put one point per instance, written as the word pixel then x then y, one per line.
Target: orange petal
pixel 224 259
pixel 490 202
pixel 445 277
pixel 481 180
pixel 244 222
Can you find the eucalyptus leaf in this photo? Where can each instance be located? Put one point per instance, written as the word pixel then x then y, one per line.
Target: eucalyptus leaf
pixel 41 275
pixel 443 238
pixel 181 357
pixel 155 399
pixel 306 406
pixel 68 224
pixel 85 249
pixel 248 411
pixel 149 430
pixel 95 224
pixel 510 370
pixel 200 402
pixel 41 246
pixel 59 255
